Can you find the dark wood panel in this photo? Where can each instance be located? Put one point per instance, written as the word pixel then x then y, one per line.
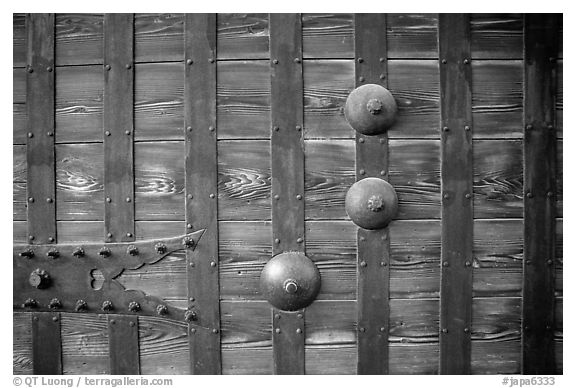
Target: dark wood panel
pixel 124 357
pixel 497 88
pixel 496 35
pixel 159 101
pixel 19 122
pixel 81 231
pixel 328 35
pixel 46 343
pixel 414 167
pixel 79 103
pixel 85 343
pixel 21 344
pixel 159 180
pixel 80 182
pixel 244 180
pixel 19 174
pixel 412 35
pixel 498 178
pixel 79 39
pixel 243 36
pixel 559 178
pixel 158 37
pixel 163 347
pixel 18 40
pixel 330 171
pixel 243 99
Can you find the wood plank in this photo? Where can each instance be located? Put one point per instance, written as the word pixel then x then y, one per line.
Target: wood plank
pixel 158 37
pixel 559 99
pixel 79 103
pixel 19 122
pixel 46 344
pixel 330 171
pixel 159 180
pixel 328 35
pixel 497 98
pixel 123 341
pixel 21 344
pixel 19 229
pixel 40 143
pixel 559 335
pixel 243 100
pixel 79 39
pixel 18 39
pixel 85 343
pixel 559 178
pixel 119 127
pixel 243 36
pixel 373 271
pixel 202 191
pixel 80 182
pixel 496 36
pixel 19 174
pixel 163 347
pixel 412 35
pixel 19 86
pixel 498 177
pixel 159 101
pixel 540 44
pixel 244 180
pixel 457 210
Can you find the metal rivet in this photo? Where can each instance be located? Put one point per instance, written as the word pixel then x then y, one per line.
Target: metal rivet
pixel 382 329
pixel 211 128
pixel 467 263
pixel 444 61
pixel 382 172
pixel 446 196
pixel 50 133
pixel 362 172
pixel 112 322
pixel 549 261
pixel 276 128
pixel 30 237
pixel 299 331
pixel 528 261
pixel 277 331
pixel 132 250
pixel 191 264
pixel 445 264
pixel 108 199
pixel 363 264
pixel 277 241
pixel 55 319
pixel 298 128
pixel 382 60
pixel 362 238
pixel 30 199
pixel 361 79
pixel 36 319
pixel 211 60
pixel 277 316
pixel 444 330
pixel 297 60
pixel 549 194
pixel 468 196
pixel 215 331
pixel 109 235
pixel 383 264
pixel 466 330
pixel 189 129
pixel 445 129
pixel 189 226
pixel 529 194
pixel 550 126
pixel 276 197
pixel 30 69
pixel 362 330
pixel 298 197
pixel 128 234
pixel 49 200
pixel 548 327
pixel 300 315
pixel 132 324
pixel 108 67
pixel 30 135
pixel 466 61
pixel 360 60
pixel 49 69
pixel 134 306
pixel 382 141
pixel 128 199
pixel 466 127
pixel 212 264
pixel 361 140
pixel 190 196
pixel 192 330
pixel 107 133
pixel 212 195
pixel 78 252
pixel 128 66
pixel 275 61
pixel 529 126
pixel 127 132
pixel 51 239
pixel 382 76
pixel 189 61
pixel 299 240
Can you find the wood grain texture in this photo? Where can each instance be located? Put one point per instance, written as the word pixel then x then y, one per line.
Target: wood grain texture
pixel 163 347
pixel 330 171
pixel 412 35
pixel 559 178
pixel 559 99
pixel 243 36
pixel 79 103
pixel 80 182
pixel 498 179
pixel 19 183
pixel 496 36
pixel 159 180
pixel 328 35
pixel 19 229
pixel 159 101
pixel 19 120
pixel 243 100
pixel 18 39
pixel 21 344
pixel 244 180
pixel 85 343
pixel 158 37
pixel 19 86
pixel 79 39
pixel 497 88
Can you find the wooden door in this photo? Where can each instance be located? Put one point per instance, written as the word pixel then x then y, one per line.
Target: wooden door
pixel 228 129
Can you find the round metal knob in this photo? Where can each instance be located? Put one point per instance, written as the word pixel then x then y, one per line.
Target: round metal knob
pixel 290 281
pixel 371 203
pixel 39 279
pixel 371 109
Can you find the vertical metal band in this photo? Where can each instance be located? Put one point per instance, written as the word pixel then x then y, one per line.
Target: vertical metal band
pixel 373 246
pixel 41 188
pixel 540 51
pixel 46 344
pixel 119 127
pixel 287 152
pixel 124 349
pixel 457 193
pixel 202 191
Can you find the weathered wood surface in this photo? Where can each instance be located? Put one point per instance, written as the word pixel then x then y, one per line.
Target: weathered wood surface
pixel 79 39
pixel 19 119
pixel 85 343
pixel 18 40
pixel 559 178
pixel 22 344
pixel 496 36
pixel 243 36
pixel 559 99
pixel 163 347
pixel 19 183
pixel 158 37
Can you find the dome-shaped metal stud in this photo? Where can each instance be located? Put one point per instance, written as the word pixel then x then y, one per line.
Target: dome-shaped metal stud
pixel 371 203
pixel 370 109
pixel 290 281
